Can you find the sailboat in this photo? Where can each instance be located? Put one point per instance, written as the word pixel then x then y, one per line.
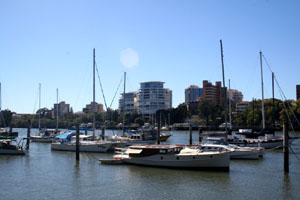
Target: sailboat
pixel 88 143
pixel 47 135
pixel 7 139
pixel 4 132
pixel 259 138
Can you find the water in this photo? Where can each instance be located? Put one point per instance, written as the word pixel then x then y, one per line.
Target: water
pixel 46 174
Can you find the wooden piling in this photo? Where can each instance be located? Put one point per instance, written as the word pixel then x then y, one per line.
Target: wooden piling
pixel 103 133
pixel 85 130
pixel 77 142
pixel 28 135
pixel 286 148
pixel 191 137
pixel 158 132
pixel 200 135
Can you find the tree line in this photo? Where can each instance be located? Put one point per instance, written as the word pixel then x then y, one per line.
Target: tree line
pixel 205 113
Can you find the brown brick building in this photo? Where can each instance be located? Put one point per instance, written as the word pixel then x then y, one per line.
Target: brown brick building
pixel 214 93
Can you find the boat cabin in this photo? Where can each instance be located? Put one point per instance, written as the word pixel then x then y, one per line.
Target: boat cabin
pixel 148 150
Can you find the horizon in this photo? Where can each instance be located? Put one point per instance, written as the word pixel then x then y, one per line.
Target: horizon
pixel 174 42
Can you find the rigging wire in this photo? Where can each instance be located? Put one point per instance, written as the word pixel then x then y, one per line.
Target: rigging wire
pixel 101 86
pixel 283 97
pixel 116 92
pixel 107 108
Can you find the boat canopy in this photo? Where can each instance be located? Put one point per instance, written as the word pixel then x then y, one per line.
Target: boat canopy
pixel 134 151
pixel 65 136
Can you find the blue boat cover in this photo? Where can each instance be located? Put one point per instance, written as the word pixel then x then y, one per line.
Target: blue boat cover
pixel 65 136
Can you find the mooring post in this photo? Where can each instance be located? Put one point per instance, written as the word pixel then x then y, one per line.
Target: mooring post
pixel 286 148
pixel 85 130
pixel 103 133
pixel 191 131
pixel 77 142
pixel 158 132
pixel 200 135
pixel 28 135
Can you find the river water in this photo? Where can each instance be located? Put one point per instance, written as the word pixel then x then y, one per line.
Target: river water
pixel 46 174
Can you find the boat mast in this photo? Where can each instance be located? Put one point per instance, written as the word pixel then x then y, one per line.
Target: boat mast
pixel 39 107
pixel 253 101
pixel 94 90
pixel 225 100
pixel 262 92
pixel 124 103
pixel 56 109
pixel 230 126
pixel 0 99
pixel 273 111
pixel 2 117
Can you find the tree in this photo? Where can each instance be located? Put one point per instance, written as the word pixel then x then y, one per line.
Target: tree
pixel 179 114
pixel 5 118
pixel 139 121
pixel 205 110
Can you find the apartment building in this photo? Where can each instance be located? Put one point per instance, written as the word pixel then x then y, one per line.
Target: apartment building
pixel 214 93
pixel 130 103
pixel 192 94
pixel 152 96
pixel 98 107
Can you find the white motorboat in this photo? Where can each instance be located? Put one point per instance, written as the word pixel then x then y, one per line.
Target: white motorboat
pixel 267 142
pixel 236 152
pixel 175 156
pixel 131 139
pixel 8 148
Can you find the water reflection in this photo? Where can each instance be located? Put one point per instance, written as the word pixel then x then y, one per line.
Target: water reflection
pixel 286 186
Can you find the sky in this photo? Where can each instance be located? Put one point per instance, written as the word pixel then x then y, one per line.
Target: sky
pixel 173 41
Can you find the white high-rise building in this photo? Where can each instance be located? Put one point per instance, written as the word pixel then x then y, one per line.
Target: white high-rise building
pixel 130 102
pixel 152 96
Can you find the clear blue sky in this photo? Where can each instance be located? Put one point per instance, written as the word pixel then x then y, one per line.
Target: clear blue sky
pixel 176 41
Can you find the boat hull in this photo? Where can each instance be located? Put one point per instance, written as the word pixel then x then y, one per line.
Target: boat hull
pixel 11 152
pixel 266 145
pixel 244 155
pixel 95 148
pixel 42 139
pixel 164 138
pixel 208 161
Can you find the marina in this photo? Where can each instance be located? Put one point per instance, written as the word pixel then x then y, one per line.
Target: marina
pixel 46 174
